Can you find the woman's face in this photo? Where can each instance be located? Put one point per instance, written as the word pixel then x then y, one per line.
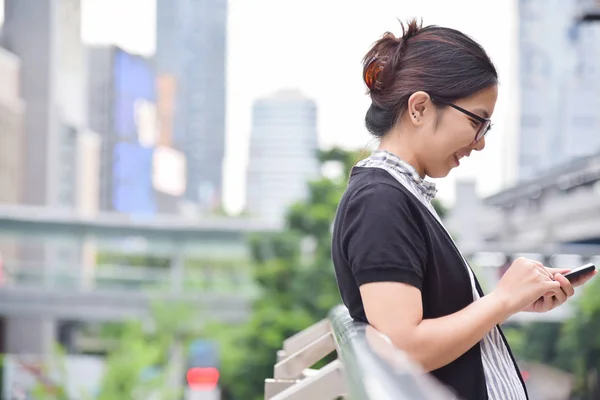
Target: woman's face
pixel 450 134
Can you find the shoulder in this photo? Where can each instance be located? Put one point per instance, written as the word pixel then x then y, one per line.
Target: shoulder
pixel 377 189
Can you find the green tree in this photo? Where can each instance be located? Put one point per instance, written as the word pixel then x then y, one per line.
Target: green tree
pixel 134 260
pixel 297 284
pixel 536 341
pixel 579 345
pixel 142 364
pixel 51 378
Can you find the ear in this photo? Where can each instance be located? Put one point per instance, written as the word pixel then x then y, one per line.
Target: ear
pixel 418 103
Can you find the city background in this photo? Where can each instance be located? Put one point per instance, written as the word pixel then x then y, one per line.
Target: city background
pixel 169 171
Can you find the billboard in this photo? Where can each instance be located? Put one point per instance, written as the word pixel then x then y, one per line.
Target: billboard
pixel 135 93
pixel 132 179
pixel 135 133
pixel 169 171
pixel 166 88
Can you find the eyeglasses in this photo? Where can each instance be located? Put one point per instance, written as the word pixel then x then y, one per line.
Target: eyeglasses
pixel 485 124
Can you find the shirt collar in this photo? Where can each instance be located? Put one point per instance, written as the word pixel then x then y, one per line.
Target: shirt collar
pixel 428 189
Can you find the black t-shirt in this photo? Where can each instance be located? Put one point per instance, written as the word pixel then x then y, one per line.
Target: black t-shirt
pixel 383 233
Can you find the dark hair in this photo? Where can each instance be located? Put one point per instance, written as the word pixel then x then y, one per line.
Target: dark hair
pixel 445 63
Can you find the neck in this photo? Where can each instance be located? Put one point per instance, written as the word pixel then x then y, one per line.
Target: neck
pixel 394 143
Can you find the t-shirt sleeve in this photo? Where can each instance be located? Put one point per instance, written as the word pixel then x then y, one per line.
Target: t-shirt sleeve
pixel 382 238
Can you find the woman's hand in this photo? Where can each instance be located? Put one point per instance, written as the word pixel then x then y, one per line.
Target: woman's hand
pixel 549 301
pixel 527 284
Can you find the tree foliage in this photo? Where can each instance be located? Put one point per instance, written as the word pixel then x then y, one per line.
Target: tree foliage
pixel 297 284
pixel 141 365
pixel 573 346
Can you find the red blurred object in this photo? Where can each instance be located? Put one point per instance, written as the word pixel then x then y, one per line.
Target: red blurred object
pixel 203 378
pixel 525 375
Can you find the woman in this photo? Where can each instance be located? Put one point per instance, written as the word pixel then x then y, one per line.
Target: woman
pixel 433 91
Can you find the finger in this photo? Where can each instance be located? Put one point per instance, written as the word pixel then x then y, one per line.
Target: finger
pixel 537 263
pixel 554 271
pixel 542 271
pixel 559 296
pixel 565 285
pixel 557 301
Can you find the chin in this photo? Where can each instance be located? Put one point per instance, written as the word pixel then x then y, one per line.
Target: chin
pixel 436 174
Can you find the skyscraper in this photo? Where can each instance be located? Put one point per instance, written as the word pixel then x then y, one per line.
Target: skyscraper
pixel 283 153
pixel 12 109
pixel 558 81
pixel 583 92
pixel 122 89
pixel 12 113
pixel 47 38
pixel 191 68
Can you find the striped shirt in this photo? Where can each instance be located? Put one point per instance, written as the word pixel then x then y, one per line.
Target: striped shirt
pixel 502 380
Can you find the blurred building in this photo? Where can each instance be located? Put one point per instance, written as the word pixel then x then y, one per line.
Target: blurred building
pixel 559 72
pixel 139 174
pixel 583 93
pixel 283 153
pixel 558 206
pixel 12 109
pixel 47 39
pixel 191 72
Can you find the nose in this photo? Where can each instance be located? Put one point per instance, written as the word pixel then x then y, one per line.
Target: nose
pixel 480 145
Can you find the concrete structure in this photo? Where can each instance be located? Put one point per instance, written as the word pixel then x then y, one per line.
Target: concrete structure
pixel 560 206
pixel 12 112
pixel 55 223
pixel 559 77
pixel 34 300
pixel 30 317
pixel 47 40
pixel 283 153
pixel 191 72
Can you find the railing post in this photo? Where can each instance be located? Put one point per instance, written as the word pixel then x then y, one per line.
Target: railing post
pixel 293 378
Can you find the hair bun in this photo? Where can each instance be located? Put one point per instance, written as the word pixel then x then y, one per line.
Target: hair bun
pixel 387 52
pixel 410 29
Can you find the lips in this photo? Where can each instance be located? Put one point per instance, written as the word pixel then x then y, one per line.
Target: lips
pixel 458 156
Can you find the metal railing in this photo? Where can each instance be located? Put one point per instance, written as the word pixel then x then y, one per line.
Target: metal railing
pixel 367 366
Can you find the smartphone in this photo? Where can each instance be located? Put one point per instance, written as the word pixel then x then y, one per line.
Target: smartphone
pixel 580 271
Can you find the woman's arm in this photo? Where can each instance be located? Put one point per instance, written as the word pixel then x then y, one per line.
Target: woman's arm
pixel 395 309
